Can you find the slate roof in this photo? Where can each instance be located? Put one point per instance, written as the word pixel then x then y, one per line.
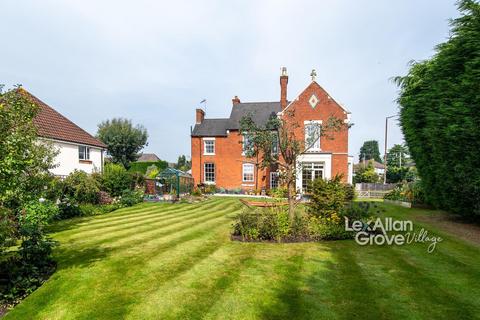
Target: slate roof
pixel 260 111
pixel 52 125
pixel 211 128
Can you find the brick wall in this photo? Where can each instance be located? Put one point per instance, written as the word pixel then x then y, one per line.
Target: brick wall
pixel 228 157
pixel 228 162
pixel 336 143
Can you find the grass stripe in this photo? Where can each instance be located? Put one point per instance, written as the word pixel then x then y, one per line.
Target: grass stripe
pixel 93 222
pixel 150 234
pixel 138 220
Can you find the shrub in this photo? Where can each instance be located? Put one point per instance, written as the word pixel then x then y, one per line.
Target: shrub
pixel 131 197
pixel 326 230
pixel 152 172
pixel 31 266
pixel 410 192
pixel 115 179
pixel 54 189
pixel 68 208
pixel 366 174
pixel 247 225
pixel 104 198
pixel 36 248
pixel 138 180
pixel 210 189
pixel 81 187
pixel 328 198
pixel 196 192
pixel 349 192
pixel 273 224
pixel 358 210
pixel 280 192
pixel 7 228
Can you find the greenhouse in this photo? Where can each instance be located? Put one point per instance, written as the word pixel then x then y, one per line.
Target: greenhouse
pixel 175 182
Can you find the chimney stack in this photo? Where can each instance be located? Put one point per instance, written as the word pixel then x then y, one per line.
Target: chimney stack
pixel 235 100
pixel 199 115
pixel 283 88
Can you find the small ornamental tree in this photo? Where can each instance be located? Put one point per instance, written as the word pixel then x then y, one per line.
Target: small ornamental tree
pixel 276 144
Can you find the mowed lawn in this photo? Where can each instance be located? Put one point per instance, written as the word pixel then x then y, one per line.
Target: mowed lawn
pixel 176 261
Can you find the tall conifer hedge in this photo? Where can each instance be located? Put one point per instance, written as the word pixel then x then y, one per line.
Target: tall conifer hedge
pixel 440 116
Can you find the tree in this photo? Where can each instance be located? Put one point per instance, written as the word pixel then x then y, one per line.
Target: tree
pixel 397 161
pixel 369 151
pixel 398 156
pixel 24 162
pixel 439 116
pixel 124 141
pixel 183 164
pixel 277 145
pixel 366 174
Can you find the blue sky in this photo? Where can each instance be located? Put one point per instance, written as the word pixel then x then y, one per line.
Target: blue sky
pixel 154 61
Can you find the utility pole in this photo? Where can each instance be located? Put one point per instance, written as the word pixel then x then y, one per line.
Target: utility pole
pixel 385 153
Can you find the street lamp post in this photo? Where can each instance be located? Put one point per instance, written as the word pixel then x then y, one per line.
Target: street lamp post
pixel 385 153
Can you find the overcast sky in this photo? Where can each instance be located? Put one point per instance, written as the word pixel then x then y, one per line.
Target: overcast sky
pixel 154 61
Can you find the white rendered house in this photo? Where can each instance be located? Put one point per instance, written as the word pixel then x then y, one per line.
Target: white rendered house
pixel 77 149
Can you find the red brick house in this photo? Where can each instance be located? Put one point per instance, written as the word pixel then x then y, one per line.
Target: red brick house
pixel 217 148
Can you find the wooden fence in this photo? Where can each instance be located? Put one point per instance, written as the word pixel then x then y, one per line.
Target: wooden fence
pixel 373 190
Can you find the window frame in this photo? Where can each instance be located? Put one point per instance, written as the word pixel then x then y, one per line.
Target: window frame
pixel 212 173
pixel 276 179
pixel 205 152
pixel 244 173
pixel 86 153
pixel 317 146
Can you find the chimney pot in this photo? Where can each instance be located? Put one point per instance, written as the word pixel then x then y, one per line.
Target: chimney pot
pixel 199 116
pixel 235 100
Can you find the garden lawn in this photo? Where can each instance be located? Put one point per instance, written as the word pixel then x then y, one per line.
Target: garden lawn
pixel 176 261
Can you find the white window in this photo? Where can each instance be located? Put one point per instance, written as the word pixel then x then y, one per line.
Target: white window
pixel 83 153
pixel 209 171
pixel 312 135
pixel 248 169
pixel 208 146
pixel 247 144
pixel 273 180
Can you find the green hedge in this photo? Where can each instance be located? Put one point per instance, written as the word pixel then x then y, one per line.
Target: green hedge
pixel 142 166
pixel 439 103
